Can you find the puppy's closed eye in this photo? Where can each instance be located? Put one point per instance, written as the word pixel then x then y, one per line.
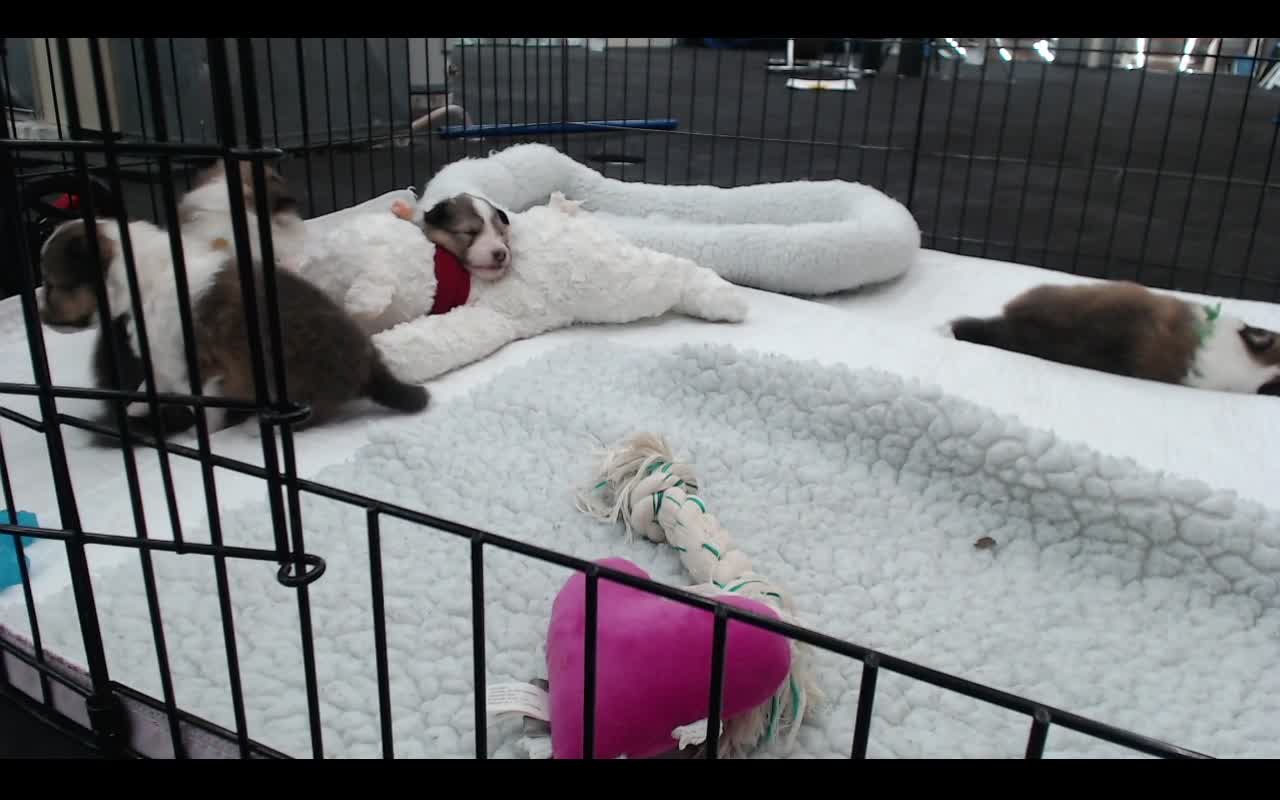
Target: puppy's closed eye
pixel 502 215
pixel 1257 340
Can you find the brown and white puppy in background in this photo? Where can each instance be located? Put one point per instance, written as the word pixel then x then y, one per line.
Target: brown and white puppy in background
pixel 476 231
pixel 1126 329
pixel 329 360
pixel 204 214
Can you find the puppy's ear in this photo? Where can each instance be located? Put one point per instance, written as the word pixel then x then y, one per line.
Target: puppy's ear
pixel 1258 340
pixel 280 197
pixel 69 245
pixel 211 173
pixel 438 216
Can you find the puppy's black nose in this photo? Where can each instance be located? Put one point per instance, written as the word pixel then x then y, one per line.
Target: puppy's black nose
pixel 499 256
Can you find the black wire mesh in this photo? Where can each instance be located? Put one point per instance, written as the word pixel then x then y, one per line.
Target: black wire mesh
pixel 1006 154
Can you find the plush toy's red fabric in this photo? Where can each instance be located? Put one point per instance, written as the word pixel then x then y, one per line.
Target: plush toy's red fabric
pixel 453 282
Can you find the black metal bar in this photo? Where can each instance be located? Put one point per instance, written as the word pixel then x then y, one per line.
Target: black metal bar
pixel 915 146
pixel 391 113
pixel 813 137
pixel 140 326
pixel 300 69
pixel 225 123
pixel 1026 171
pixel 564 92
pixel 591 638
pixel 715 711
pixel 135 543
pixel 478 643
pixel 271 93
pixel 57 105
pixel 737 123
pixel 253 134
pixel 108 734
pixel 1039 733
pixel 693 107
pixel 973 133
pixel 790 117
pixel 21 419
pixel 28 598
pixel 1062 154
pixel 893 112
pixel 1093 162
pixel 380 633
pixel 351 118
pixel 85 393
pixel 1124 173
pixel 995 167
pixel 1195 163
pixel 328 121
pixel 142 124
pixel 448 91
pixel 671 78
pixel 648 97
pixel 493 52
pixel 866 698
pixel 368 120
pixel 626 74
pixel 138 148
pixel 1226 192
pixel 715 120
pixel 408 74
pixel 866 120
pixel 1257 217
pixel 946 146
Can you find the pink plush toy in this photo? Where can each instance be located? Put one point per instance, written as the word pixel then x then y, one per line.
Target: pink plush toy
pixel 653 667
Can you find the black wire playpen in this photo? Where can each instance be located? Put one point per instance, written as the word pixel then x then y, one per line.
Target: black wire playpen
pixel 1119 158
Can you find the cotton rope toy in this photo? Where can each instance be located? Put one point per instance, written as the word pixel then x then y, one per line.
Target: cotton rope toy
pixel 641 483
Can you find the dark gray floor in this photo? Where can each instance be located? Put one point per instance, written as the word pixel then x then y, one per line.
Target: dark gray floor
pixel 1108 173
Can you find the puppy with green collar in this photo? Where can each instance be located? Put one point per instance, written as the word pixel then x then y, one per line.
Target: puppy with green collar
pixel 1126 329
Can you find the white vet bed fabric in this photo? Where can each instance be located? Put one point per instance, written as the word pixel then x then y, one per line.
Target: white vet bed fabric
pixel 798 237
pixel 1214 600
pixel 1141 599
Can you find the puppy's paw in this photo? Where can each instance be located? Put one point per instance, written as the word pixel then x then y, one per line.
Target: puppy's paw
pixel 725 304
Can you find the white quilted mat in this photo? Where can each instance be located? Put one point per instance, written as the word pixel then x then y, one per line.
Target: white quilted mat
pixel 1135 598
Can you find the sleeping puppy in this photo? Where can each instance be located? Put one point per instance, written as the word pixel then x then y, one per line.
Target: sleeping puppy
pixel 329 360
pixel 476 231
pixel 1126 329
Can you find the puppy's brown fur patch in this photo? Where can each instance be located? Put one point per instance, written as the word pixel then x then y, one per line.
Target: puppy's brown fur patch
pixel 1122 328
pixel 329 359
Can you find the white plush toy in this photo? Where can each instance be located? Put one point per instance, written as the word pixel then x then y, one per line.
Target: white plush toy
pixel 377 265
pixel 566 268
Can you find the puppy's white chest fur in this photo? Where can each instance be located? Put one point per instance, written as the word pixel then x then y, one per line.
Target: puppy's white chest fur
pixel 158 290
pixel 1223 362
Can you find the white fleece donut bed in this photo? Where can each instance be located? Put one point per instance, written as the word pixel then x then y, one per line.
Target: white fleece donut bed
pixel 799 237
pixel 1230 442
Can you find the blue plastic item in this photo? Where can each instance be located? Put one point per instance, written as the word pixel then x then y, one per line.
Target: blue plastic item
pixel 10 575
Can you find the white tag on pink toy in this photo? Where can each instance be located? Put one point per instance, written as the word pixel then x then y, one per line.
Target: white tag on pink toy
pixel 524 699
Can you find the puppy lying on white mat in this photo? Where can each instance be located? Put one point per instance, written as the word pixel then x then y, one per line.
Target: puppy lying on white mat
pixel 435 301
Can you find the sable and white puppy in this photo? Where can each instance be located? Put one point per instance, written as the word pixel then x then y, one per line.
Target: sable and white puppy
pixel 1126 329
pixel 204 214
pixel 329 360
pixel 476 231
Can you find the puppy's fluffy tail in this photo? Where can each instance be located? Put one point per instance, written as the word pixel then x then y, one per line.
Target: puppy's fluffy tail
pixel 993 332
pixel 390 391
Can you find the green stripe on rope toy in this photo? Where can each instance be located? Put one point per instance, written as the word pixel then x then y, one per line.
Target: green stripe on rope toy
pixel 640 482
